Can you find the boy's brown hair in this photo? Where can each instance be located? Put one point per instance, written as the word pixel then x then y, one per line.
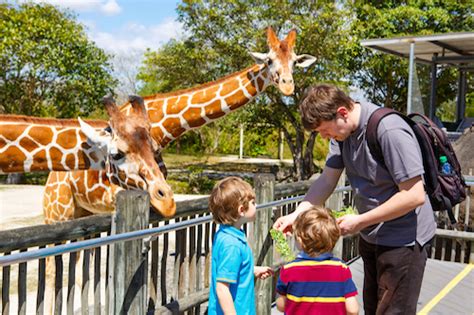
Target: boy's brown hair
pixel 320 103
pixel 316 230
pixel 226 197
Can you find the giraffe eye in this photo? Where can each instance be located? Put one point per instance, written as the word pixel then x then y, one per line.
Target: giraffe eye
pixel 269 62
pixel 118 156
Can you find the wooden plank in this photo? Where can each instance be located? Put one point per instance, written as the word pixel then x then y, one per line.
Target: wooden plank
pixel 130 259
pixel 192 259
pixel 86 254
pixel 153 287
pixel 41 286
pixel 163 274
pixel 58 284
pixel 97 280
pixel 207 253
pixel 260 240
pixel 108 280
pixel 6 289
pixel 71 284
pixel 199 261
pixel 22 287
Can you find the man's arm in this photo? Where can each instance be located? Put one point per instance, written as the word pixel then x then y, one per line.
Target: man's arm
pixel 411 194
pixel 318 193
pixel 225 298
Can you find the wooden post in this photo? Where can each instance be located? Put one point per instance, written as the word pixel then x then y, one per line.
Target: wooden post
pixel 130 260
pixel 335 202
pixel 260 241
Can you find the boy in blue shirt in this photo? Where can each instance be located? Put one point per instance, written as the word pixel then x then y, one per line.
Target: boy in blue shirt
pixel 232 203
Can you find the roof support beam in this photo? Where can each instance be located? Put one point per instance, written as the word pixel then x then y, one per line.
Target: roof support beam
pixel 449 47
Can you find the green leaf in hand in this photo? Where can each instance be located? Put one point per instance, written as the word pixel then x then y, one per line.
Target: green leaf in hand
pixel 344 211
pixel 281 245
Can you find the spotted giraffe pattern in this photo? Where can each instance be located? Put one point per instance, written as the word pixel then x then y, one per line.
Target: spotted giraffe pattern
pixel 172 114
pixel 29 144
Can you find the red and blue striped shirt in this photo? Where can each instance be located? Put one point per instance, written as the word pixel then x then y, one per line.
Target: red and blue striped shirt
pixel 316 285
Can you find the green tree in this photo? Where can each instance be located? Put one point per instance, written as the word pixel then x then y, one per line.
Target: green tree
pixel 220 35
pixel 384 78
pixel 48 66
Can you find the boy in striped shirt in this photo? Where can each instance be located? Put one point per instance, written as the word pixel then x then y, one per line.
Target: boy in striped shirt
pixel 316 282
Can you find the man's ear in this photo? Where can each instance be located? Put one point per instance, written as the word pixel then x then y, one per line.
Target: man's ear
pixel 342 111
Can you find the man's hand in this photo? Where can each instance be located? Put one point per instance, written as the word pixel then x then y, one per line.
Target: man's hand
pixel 349 224
pixel 285 223
pixel 262 272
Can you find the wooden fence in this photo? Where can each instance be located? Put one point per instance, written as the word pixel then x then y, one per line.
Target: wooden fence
pixel 172 266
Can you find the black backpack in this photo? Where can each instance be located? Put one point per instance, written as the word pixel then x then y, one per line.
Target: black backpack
pixel 444 190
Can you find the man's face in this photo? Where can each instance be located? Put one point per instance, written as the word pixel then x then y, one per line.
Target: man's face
pixel 335 129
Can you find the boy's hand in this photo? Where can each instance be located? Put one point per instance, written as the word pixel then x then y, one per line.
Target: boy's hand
pixel 262 272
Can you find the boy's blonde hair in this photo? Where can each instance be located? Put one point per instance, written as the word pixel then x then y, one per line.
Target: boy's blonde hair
pixel 316 230
pixel 226 197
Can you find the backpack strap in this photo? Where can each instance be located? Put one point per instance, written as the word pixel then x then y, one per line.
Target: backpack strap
pixel 372 126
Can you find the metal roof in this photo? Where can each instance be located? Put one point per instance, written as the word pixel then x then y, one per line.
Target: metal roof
pixel 450 47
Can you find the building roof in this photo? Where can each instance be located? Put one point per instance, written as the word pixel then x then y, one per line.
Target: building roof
pixel 451 48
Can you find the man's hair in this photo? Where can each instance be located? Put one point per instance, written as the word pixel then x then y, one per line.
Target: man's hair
pixel 316 230
pixel 320 103
pixel 226 197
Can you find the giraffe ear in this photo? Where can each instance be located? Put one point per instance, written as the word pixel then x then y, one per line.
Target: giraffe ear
pixel 92 135
pixel 291 39
pixel 259 57
pixel 272 39
pixel 111 107
pixel 304 60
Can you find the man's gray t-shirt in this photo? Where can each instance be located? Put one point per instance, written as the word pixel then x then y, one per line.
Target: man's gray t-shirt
pixel 373 183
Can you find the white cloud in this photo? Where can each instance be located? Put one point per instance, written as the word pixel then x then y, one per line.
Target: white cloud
pixel 108 7
pixel 137 37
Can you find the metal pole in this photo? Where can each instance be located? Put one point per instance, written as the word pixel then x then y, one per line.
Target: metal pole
pixel 434 79
pixel 410 76
pixel 241 147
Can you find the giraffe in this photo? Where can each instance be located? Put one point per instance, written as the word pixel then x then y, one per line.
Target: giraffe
pixel 124 149
pixel 174 113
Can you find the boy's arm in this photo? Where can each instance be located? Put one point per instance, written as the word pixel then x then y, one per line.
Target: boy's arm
pixel 225 298
pixel 280 303
pixel 352 307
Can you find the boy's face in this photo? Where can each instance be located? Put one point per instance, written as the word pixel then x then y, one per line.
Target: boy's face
pixel 249 215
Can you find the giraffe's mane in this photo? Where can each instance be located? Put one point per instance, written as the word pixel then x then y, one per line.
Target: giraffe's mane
pixel 50 121
pixel 196 88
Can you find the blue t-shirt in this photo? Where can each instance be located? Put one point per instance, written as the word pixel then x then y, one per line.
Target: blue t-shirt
pixel 232 262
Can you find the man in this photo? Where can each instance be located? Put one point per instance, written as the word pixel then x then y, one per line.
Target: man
pixel 395 219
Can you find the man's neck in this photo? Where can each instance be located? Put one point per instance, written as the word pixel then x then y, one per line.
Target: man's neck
pixel 355 116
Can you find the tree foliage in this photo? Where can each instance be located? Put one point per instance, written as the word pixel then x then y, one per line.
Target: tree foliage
pixel 48 66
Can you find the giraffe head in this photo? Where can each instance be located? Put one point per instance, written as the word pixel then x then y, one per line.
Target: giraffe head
pixel 130 157
pixel 280 60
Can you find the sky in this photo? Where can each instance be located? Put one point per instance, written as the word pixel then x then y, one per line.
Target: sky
pixel 119 26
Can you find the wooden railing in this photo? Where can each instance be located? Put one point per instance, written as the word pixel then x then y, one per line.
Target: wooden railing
pixel 178 263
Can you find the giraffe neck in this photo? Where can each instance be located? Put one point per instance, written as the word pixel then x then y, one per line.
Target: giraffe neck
pixel 174 113
pixel 30 144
